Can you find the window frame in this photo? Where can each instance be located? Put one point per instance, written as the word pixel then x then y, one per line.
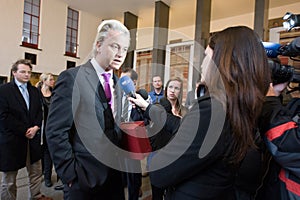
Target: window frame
pixel 72 33
pixel 31 17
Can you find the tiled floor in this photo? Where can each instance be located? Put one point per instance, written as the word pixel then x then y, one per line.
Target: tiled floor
pixel 22 184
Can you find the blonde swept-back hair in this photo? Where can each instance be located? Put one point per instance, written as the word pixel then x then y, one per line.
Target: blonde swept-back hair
pixel 103 29
pixel 43 77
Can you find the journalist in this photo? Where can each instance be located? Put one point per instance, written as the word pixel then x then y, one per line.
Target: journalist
pixel 213 138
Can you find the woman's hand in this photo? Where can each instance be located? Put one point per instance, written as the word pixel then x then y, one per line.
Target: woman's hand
pixel 139 101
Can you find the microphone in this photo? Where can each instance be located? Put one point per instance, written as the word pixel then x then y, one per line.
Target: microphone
pixel 272 49
pixel 127 86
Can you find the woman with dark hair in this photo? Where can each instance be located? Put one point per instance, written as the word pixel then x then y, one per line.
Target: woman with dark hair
pixel 215 135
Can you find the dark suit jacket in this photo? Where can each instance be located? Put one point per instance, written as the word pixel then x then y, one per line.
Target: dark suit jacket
pixel 15 119
pixel 81 131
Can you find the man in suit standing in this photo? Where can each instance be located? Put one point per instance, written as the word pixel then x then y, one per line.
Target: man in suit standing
pixel 20 121
pixel 82 129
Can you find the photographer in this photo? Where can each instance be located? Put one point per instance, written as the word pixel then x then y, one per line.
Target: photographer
pixel 281 136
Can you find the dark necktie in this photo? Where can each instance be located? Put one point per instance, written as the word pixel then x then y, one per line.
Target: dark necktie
pixel 107 90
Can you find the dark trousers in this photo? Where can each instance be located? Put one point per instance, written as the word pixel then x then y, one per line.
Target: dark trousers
pixel 157 193
pixel 47 163
pixel 112 189
pixel 134 182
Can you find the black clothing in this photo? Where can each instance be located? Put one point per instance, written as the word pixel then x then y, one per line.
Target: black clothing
pixel 198 167
pixel 47 163
pixel 15 119
pixel 281 135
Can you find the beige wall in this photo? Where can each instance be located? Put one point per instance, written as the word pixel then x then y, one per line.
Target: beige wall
pixel 187 32
pixel 50 57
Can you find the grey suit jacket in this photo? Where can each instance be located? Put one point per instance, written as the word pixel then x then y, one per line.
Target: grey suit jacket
pixel 81 131
pixel 190 98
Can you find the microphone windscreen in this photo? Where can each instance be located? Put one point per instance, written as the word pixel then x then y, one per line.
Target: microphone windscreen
pixel 126 84
pixel 143 93
pixel 272 49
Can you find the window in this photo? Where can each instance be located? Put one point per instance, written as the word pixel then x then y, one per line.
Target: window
pixel 72 32
pixel 179 63
pixel 143 66
pixel 70 64
pixel 3 79
pixel 31 19
pixel 31 57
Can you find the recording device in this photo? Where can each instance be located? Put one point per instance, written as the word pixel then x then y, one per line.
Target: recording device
pixel 127 86
pixel 280 73
pixel 292 49
pixel 283 73
pixel 274 49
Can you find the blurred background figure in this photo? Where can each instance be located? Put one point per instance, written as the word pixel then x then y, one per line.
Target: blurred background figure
pixel 192 95
pixel 132 180
pixel 174 92
pixel 45 85
pixel 157 93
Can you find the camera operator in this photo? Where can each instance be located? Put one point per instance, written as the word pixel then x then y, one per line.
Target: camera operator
pixel 281 136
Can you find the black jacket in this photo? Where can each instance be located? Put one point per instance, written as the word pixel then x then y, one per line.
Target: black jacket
pixel 193 164
pixel 15 119
pixel 281 135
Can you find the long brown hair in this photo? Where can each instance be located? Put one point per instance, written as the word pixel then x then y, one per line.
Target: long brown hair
pixel 179 106
pixel 243 70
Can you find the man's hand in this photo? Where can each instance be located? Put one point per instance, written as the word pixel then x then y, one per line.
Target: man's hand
pixel 30 133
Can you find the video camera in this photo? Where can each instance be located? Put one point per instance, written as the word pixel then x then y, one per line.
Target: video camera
pixel 291 49
pixel 284 73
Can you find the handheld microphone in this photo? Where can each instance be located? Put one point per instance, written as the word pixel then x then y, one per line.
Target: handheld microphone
pixel 127 86
pixel 272 49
